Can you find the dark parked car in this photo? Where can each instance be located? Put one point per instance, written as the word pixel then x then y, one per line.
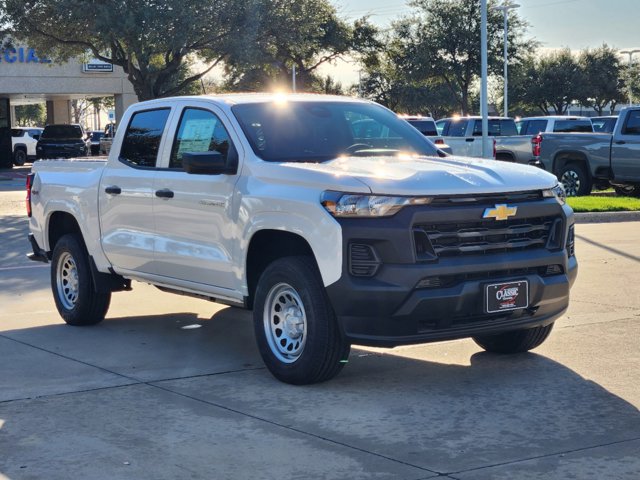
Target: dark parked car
pixel 63 141
pixel 96 135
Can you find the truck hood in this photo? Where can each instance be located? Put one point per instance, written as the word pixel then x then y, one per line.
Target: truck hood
pixel 414 175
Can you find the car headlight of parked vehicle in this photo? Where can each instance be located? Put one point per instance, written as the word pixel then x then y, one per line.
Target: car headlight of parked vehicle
pixel 556 192
pixel 352 205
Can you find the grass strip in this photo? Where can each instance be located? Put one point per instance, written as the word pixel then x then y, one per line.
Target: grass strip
pixel 604 204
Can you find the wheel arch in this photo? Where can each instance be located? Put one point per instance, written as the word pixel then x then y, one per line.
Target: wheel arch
pixel 266 246
pixel 59 224
pixel 565 157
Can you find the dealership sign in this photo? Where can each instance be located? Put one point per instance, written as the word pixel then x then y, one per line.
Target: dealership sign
pixel 21 55
pixel 97 66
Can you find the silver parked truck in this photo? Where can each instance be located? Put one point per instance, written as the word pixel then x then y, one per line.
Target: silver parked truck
pixel 584 160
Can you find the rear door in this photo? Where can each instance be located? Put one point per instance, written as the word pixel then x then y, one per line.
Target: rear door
pixel 127 190
pixel 195 235
pixel 625 149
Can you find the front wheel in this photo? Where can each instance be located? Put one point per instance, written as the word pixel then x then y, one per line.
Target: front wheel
pixel 516 341
pixel 296 329
pixel 19 157
pixel 76 298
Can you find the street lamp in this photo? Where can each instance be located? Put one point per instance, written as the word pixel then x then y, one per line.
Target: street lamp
pixel 505 11
pixel 484 107
pixel 630 53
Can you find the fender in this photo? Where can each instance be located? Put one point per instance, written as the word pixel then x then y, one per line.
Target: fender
pixel 323 234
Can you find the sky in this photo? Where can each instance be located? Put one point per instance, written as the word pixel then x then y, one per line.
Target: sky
pixel 576 24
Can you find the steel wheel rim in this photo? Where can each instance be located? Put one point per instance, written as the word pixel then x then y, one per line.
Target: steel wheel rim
pixel 571 182
pixel 285 323
pixel 67 281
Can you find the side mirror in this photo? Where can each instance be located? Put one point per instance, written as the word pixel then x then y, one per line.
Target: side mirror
pixel 205 163
pixel 36 136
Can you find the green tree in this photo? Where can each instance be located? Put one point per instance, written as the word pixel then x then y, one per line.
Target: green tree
pixel 553 81
pixel 442 41
pixel 31 115
pixel 304 34
pixel 152 40
pixel 601 70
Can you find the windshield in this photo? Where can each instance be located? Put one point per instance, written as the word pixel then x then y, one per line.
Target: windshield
pixel 96 136
pixel 321 131
pixel 62 131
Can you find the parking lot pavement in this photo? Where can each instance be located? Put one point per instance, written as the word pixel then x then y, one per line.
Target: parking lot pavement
pixel 141 396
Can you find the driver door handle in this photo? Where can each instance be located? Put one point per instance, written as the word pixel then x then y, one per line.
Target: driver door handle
pixel 113 190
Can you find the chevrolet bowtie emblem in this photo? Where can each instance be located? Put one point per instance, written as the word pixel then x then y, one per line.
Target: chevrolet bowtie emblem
pixel 500 212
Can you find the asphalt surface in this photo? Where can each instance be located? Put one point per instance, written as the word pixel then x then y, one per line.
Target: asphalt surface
pixel 169 388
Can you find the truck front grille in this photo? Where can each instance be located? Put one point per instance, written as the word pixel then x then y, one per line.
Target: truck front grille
pixel 490 236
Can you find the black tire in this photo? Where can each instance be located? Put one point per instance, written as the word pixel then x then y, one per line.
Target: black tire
pixel 76 299
pixel 627 190
pixel 575 179
pixel 516 341
pixel 19 157
pixel 310 347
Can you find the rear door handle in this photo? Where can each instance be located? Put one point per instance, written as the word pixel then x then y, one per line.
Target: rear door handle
pixel 470 139
pixel 164 193
pixel 620 142
pixel 113 190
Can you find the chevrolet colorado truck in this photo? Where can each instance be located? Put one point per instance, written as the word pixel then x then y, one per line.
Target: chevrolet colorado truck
pixel 582 160
pixel 273 203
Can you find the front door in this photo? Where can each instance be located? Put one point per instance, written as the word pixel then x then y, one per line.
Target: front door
pixel 625 150
pixel 195 233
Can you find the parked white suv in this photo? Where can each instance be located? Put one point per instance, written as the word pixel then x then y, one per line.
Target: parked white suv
pixel 23 143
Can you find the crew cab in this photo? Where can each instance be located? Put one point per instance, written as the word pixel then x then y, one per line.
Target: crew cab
pixel 278 204
pixel 63 141
pixel 23 143
pixel 582 160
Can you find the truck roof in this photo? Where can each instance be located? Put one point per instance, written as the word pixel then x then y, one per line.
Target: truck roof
pixel 554 117
pixel 243 98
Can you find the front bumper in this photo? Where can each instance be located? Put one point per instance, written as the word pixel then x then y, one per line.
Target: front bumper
pixel 393 307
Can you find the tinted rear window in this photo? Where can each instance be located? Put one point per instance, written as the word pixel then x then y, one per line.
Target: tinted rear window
pixel 62 131
pixel 497 128
pixel 142 139
pixel 425 127
pixel 16 132
pixel 535 127
pixel 603 125
pixel 573 126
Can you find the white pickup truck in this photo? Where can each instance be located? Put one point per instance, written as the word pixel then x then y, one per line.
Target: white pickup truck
pixel 272 203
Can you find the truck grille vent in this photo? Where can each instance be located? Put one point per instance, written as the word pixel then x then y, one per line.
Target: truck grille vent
pixel 488 236
pixel 363 261
pixel 488 200
pixel 446 281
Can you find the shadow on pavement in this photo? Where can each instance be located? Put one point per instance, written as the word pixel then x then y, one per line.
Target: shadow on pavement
pixel 433 407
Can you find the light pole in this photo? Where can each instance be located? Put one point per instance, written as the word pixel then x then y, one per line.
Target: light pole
pixel 484 110
pixel 630 53
pixel 506 6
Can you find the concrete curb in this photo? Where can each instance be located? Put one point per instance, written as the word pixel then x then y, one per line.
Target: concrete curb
pixel 607 217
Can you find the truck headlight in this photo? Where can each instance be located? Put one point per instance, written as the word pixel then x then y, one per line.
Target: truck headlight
pixel 352 205
pixel 556 192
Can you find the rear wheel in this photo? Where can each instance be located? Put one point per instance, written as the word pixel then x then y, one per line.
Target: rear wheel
pixel 574 179
pixel 76 299
pixel 516 341
pixel 19 157
pixel 627 190
pixel 296 329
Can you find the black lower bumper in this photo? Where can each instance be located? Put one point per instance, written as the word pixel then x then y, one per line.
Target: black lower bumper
pixel 407 301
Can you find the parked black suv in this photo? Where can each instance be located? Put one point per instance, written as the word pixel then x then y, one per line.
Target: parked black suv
pixel 63 141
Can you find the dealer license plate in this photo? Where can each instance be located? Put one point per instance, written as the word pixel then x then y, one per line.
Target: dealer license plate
pixel 503 297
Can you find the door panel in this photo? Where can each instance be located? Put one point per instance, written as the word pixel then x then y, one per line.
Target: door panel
pixel 194 228
pixel 625 150
pixel 126 193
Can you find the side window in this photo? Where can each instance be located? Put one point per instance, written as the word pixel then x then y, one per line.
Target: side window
pixel 142 139
pixel 632 125
pixel 199 131
pixel 536 126
pixel 457 128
